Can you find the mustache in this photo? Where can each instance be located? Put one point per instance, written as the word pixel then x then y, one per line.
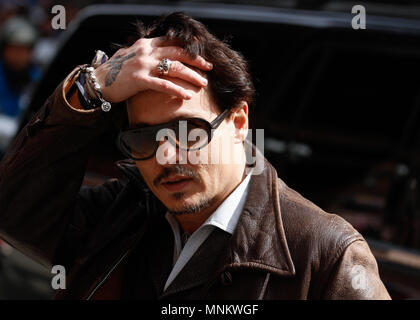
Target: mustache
pixel 176 169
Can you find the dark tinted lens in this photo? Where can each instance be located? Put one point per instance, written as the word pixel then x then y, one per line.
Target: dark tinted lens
pixel 192 134
pixel 139 144
pixel 189 134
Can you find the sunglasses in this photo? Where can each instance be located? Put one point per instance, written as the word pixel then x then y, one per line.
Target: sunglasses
pixel 142 143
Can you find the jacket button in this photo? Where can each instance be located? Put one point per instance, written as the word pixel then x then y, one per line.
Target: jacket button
pixel 226 278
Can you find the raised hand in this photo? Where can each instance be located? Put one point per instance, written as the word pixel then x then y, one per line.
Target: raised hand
pixel 134 69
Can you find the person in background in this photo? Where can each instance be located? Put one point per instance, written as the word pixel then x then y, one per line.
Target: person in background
pixel 17 72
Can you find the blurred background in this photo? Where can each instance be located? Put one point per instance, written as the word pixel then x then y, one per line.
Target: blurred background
pixel 340 107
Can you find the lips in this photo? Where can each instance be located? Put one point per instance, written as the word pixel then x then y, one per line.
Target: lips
pixel 176 182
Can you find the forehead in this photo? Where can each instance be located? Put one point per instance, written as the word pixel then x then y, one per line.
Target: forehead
pixel 152 107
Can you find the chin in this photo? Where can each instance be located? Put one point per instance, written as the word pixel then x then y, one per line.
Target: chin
pixel 180 203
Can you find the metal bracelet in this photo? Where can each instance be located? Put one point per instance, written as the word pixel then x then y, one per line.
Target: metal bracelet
pixel 105 105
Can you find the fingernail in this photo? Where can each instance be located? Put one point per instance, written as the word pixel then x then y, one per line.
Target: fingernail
pixel 204 82
pixel 188 96
pixel 210 65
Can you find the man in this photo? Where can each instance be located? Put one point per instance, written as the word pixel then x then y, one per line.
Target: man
pixel 174 229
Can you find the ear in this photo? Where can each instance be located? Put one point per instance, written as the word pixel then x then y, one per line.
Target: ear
pixel 239 117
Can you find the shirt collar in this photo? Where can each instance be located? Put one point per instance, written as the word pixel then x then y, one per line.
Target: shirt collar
pixel 227 214
pixel 225 217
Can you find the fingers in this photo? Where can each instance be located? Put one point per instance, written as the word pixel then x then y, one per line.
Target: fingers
pixel 166 86
pixel 161 48
pixel 158 41
pixel 150 51
pixel 181 71
pixel 178 54
pixel 164 41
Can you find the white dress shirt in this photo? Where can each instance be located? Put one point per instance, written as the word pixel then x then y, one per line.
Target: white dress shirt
pixel 225 217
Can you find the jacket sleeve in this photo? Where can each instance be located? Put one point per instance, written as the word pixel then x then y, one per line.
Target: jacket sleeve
pixel 41 175
pixel 355 276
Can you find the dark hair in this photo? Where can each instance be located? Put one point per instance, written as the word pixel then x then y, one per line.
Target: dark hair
pixel 229 80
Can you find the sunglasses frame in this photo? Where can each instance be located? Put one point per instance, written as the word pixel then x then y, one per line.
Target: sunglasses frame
pixel 209 127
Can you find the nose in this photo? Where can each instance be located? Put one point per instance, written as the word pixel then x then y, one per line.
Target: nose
pixel 168 153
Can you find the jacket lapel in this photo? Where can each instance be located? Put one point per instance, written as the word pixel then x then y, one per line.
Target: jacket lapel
pixel 201 268
pixel 160 254
pixel 259 241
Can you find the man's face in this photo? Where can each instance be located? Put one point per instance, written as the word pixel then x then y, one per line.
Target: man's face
pixel 189 188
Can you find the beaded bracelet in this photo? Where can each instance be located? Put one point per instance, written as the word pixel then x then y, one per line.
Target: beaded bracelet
pixel 91 80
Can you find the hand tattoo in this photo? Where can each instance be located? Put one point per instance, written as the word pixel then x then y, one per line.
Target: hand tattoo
pixel 115 68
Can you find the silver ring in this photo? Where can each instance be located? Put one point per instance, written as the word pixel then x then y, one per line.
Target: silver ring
pixel 164 66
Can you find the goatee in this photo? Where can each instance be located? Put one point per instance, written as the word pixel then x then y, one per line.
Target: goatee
pixel 191 208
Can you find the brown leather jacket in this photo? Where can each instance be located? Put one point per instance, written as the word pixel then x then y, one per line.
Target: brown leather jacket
pixel 115 243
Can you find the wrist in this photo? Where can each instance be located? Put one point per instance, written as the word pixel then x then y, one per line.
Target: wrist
pixel 95 88
pixel 99 75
